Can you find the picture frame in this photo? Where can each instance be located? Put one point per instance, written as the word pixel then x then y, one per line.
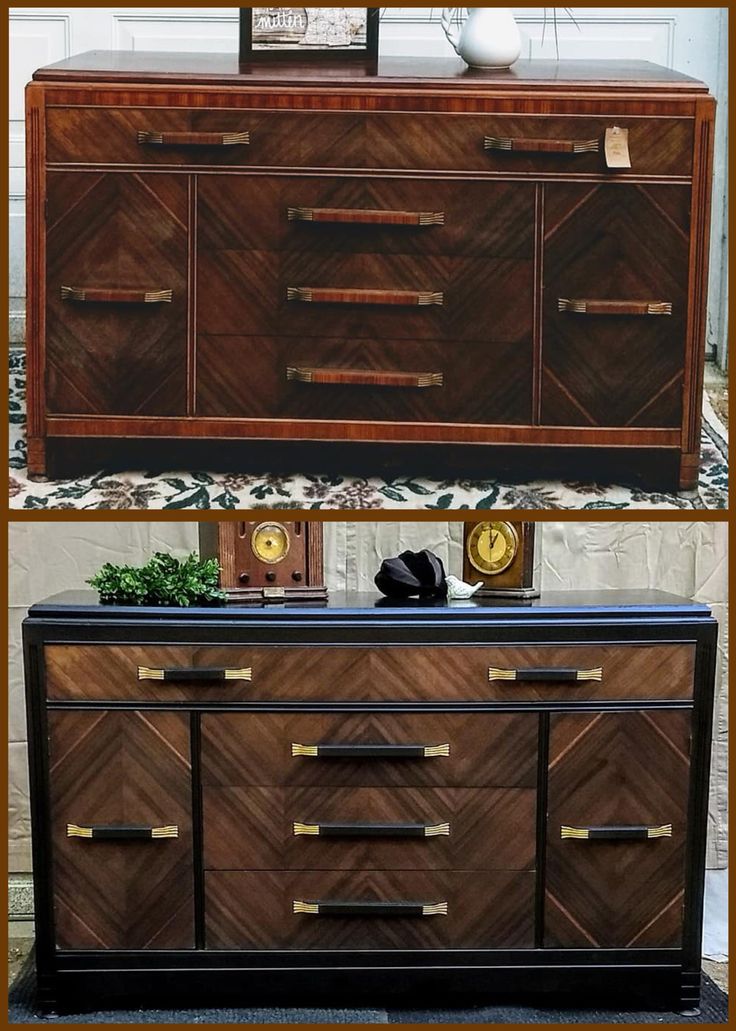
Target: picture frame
pixel 297 34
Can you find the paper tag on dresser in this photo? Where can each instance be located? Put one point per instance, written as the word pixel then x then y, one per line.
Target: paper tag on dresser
pixel 617 148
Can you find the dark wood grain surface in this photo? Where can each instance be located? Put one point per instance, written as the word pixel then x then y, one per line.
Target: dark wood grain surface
pixel 121 768
pixel 617 769
pixel 108 672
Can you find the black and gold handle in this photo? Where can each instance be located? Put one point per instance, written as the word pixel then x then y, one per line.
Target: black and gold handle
pixel 602 306
pixel 103 295
pixel 158 138
pixel 121 832
pixel 530 145
pixel 370 909
pixel 366 216
pixel 337 295
pixel 372 830
pixel 561 675
pixel 338 751
pixel 195 675
pixel 616 833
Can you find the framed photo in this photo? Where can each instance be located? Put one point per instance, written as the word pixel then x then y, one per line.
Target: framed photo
pixel 295 33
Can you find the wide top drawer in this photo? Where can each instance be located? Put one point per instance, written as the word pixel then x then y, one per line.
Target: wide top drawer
pixel 323 139
pixel 226 673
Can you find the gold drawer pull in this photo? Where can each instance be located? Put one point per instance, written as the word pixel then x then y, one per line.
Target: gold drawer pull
pixel 121 832
pixel 616 833
pixel 364 377
pixel 203 675
pixel 527 145
pixel 372 830
pixel 558 674
pixel 596 306
pixel 370 909
pixel 335 295
pixel 365 216
pixel 193 139
pixel 98 295
pixel 338 751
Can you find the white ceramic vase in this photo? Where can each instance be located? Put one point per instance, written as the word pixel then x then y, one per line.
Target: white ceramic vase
pixel 488 38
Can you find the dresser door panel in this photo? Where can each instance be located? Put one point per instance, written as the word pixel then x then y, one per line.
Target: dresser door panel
pixel 439 749
pixel 620 243
pixel 252 828
pixel 255 910
pixel 115 338
pixel 110 772
pixel 625 770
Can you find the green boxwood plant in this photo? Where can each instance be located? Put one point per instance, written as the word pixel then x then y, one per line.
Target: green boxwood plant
pixel 164 580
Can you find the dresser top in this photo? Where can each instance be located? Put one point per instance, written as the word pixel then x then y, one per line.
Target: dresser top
pixel 560 606
pixel 126 66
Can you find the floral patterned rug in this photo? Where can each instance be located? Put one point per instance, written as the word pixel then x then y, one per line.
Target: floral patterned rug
pixel 204 490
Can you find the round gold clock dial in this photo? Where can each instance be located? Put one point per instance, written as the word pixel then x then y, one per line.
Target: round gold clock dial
pixel 492 547
pixel 270 542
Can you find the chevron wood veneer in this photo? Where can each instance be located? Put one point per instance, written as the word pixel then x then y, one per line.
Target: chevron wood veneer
pixel 130 195
pixel 121 768
pixel 622 768
pixel 361 812
pixel 660 671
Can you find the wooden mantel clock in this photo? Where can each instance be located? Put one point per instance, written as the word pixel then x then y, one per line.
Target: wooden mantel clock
pixel 501 554
pixel 268 560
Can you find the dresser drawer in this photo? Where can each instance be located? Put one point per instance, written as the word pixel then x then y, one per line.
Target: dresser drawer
pixel 369 749
pixel 122 857
pixel 464 910
pixel 354 214
pixel 617 829
pixel 332 828
pixel 313 139
pixel 306 294
pixel 377 380
pixel 432 673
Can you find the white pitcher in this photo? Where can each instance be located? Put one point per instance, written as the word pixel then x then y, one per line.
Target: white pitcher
pixel 489 38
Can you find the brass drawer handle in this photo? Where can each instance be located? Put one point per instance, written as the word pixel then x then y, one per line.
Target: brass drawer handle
pixel 371 909
pixel 193 139
pixel 366 216
pixel 393 298
pixel 204 675
pixel 370 751
pixel 631 833
pixel 562 675
pixel 121 832
pixel 364 377
pixel 372 830
pixel 96 295
pixel 591 306
pixel 528 145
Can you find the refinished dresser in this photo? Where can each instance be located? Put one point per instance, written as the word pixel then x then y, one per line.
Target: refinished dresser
pixel 419 255
pixel 370 800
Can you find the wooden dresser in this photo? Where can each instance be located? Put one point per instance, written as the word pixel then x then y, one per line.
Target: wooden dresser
pixel 370 801
pixel 424 255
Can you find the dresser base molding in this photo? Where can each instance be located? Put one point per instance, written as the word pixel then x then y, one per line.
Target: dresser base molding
pixel 401 979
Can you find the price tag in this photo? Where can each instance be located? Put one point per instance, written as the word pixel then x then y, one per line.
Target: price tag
pixel 617 148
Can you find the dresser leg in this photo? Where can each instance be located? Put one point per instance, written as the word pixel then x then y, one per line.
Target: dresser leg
pixel 689 993
pixel 689 471
pixel 37 458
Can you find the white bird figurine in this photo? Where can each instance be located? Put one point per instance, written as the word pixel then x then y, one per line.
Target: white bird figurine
pixel 457 589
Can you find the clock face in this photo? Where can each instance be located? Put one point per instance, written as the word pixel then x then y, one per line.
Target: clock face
pixel 270 542
pixel 492 547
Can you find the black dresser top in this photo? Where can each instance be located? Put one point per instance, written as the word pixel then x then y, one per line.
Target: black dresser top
pixel 560 606
pixel 142 66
